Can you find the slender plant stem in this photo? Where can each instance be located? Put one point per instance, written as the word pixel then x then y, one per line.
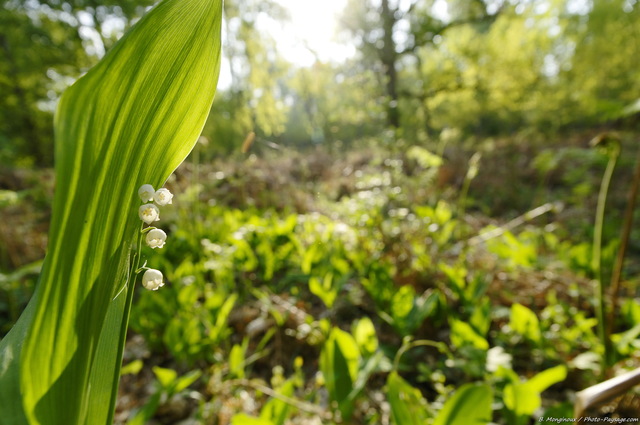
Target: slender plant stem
pixel 472 172
pixel 616 275
pixel 596 259
pixel 441 346
pixel 518 221
pixel 131 284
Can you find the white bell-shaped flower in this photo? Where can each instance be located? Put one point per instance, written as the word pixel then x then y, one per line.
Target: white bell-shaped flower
pixel 149 213
pixel 497 357
pixel 152 279
pixel 146 192
pixel 156 238
pixel 163 196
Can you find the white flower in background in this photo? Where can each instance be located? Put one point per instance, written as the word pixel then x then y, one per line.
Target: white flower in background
pixel 497 357
pixel 163 197
pixel 585 361
pixel 146 192
pixel 156 238
pixel 149 213
pixel 152 279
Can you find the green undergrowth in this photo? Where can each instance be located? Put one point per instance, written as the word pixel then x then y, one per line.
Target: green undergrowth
pixel 372 287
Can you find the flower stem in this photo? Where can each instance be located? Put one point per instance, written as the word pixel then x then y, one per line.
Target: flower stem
pixel 616 275
pixel 124 324
pixel 408 345
pixel 596 261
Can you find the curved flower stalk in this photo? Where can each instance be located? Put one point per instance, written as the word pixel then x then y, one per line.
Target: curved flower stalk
pixel 148 98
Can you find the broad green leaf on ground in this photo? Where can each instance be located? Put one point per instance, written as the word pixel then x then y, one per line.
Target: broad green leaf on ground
pixel 275 410
pixel 133 367
pixel 166 377
pixel 339 362
pixel 462 334
pixel 525 322
pixel 131 120
pixel 407 405
pixel 523 398
pixel 324 288
pixel 470 405
pixel 547 378
pixel 365 335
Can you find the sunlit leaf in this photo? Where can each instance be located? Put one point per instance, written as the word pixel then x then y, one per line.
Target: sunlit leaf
pixel 402 302
pixel 519 399
pixel 463 334
pixel 626 342
pixel 324 289
pixel 365 336
pixel 423 157
pixel 184 381
pixel 236 361
pixel 525 322
pixel 165 376
pixel 339 363
pixel 470 405
pixel 547 378
pixel 133 368
pixel 407 404
pixel 523 398
pixel 131 120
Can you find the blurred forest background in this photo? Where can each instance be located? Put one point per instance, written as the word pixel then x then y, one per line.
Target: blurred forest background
pixel 421 173
pixel 469 68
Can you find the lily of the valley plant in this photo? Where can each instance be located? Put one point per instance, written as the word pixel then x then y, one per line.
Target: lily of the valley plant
pixel 155 238
pixel 129 122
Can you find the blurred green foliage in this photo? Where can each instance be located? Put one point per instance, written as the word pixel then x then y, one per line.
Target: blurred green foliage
pixel 464 325
pixel 379 297
pixel 481 68
pixel 370 291
pixel 342 283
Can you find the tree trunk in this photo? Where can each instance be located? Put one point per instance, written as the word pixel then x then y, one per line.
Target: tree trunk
pixel 389 58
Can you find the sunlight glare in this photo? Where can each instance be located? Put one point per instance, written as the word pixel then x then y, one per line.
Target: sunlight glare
pixel 312 32
pixel 310 35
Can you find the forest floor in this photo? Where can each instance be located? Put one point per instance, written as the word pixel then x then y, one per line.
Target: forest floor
pixel 498 223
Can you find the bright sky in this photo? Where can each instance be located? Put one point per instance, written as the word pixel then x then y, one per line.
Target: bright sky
pixel 313 26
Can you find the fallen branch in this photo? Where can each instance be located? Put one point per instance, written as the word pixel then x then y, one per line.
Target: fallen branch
pixel 605 391
pixel 299 404
pixel 518 221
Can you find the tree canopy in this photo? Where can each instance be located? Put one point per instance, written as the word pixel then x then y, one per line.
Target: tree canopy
pixel 482 67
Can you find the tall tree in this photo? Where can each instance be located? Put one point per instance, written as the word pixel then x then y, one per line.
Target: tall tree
pixel 391 32
pixel 254 99
pixel 34 55
pixel 604 75
pixel 44 46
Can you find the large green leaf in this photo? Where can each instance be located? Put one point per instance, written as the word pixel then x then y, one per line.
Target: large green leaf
pixel 463 334
pixel 131 120
pixel 407 405
pixel 339 362
pixel 525 322
pixel 470 405
pixel 523 398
